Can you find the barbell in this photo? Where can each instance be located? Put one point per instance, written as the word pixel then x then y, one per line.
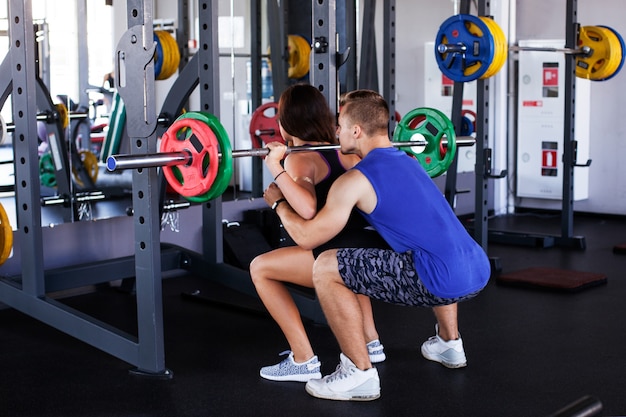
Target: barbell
pixel 196 155
pixel 470 47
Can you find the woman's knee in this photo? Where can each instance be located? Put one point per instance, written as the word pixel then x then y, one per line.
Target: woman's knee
pixel 258 269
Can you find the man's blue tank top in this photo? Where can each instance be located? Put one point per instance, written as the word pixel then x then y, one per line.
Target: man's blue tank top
pixel 412 215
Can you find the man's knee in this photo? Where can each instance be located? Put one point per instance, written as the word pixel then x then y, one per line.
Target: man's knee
pixel 326 268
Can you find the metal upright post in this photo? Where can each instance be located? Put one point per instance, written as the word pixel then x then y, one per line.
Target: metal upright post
pixel 389 61
pixel 323 70
pixel 136 85
pixel 27 187
pixel 182 32
pixel 208 74
pixel 368 68
pixel 569 137
pixel 83 55
pixel 348 71
pixel 278 45
pixel 457 119
pixel 256 91
pixel 483 153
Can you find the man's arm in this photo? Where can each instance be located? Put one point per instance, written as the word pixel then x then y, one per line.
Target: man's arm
pixel 350 190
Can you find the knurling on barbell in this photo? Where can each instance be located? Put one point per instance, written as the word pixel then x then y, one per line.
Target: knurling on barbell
pixel 190 147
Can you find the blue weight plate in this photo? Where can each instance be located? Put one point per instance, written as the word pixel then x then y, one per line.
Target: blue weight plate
pixel 462 29
pixel 158 56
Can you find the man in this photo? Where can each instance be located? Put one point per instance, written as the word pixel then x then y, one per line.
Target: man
pixel 434 262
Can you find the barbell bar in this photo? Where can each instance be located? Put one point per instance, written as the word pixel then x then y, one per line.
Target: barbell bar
pixel 48 118
pixel 584 51
pixel 161 159
pixel 462 48
pixel 197 160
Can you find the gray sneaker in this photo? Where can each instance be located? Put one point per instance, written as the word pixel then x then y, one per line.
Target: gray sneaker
pixel 450 354
pixel 347 383
pixel 376 351
pixel 289 370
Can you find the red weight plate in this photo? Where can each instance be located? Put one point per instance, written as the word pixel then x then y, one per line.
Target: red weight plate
pixel 264 125
pixel 196 138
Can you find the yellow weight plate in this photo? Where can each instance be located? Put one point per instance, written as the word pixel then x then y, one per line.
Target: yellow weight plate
pixel 613 52
pixel 64 118
pixel 174 54
pixel 500 53
pixel 171 54
pixel 90 163
pixel 299 54
pixel 476 31
pixel 6 236
pixel 606 53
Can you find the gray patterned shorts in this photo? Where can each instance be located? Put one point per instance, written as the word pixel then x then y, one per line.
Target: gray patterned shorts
pixel 388 276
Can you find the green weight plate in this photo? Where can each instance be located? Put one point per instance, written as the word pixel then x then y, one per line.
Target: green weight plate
pixel 225 169
pixel 47 174
pixel 433 126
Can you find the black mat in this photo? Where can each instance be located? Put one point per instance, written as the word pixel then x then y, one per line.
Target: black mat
pixel 553 279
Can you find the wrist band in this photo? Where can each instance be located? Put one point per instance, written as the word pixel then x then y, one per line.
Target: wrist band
pixel 279 174
pixel 277 202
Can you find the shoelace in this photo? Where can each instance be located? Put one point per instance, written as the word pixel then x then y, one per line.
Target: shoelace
pixel 340 373
pixel 432 339
pixel 309 366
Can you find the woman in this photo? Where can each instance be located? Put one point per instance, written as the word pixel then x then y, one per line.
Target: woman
pixel 305 120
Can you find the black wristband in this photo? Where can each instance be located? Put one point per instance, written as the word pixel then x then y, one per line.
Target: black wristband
pixel 277 202
pixel 279 174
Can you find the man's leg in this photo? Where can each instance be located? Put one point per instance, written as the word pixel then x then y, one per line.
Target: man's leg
pixel 447 320
pixel 354 379
pixel 446 347
pixel 341 308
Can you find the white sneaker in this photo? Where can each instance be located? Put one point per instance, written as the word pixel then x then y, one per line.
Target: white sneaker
pixel 290 370
pixel 450 354
pixel 347 383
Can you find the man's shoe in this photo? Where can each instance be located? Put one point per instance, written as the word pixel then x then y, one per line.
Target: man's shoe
pixel 347 383
pixel 450 354
pixel 289 370
pixel 376 351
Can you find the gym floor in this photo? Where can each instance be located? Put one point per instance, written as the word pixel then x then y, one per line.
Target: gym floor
pixel 530 351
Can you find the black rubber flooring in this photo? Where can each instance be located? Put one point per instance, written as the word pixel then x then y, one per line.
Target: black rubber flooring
pixel 530 352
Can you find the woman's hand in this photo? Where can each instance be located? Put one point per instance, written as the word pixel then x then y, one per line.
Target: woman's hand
pixel 277 151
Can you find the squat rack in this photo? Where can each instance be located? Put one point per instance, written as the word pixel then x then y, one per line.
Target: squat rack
pixel 27 292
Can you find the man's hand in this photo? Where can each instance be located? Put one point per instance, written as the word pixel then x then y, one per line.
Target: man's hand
pixel 272 194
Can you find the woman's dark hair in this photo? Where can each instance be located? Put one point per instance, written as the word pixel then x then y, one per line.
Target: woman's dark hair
pixel 303 112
